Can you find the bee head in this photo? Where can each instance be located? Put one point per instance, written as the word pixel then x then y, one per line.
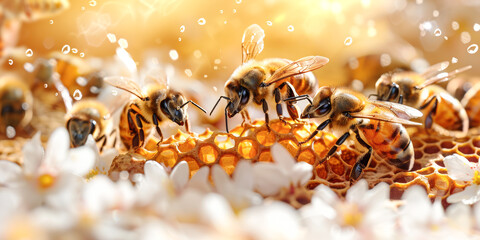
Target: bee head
pixel 386 89
pixel 238 95
pixel 321 104
pixel 79 129
pixel 174 107
pixel 13 107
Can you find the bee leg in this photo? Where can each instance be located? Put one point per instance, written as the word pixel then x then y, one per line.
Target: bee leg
pixel 103 143
pixel 400 99
pixel 332 150
pixel 265 110
pixel 319 128
pixel 363 161
pixel 140 132
pixel 155 119
pixel 187 125
pixel 278 106
pixel 431 113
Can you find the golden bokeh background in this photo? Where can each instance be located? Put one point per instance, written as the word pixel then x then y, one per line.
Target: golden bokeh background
pixel 207 34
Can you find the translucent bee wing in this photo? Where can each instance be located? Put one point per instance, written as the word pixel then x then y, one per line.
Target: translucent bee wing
pixel 443 76
pixel 113 101
pixel 126 84
pixel 252 42
pixel 384 118
pixel 128 61
pixel 435 69
pixel 400 110
pixel 302 65
pixel 153 72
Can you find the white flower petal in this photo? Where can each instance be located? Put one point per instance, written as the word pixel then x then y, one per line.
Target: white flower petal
pixel 80 161
pixel 9 172
pixel 460 216
pixel 33 154
pixel 269 179
pixel 217 212
pixel 417 207
pixel 9 204
pixel 301 173
pixel 470 195
pixel 154 172
pixel 57 147
pixel 180 175
pixel 376 196
pixel 476 212
pixel 200 180
pixel 282 157
pixel 325 194
pixel 106 159
pixel 243 175
pixel 222 181
pixel 356 191
pixel 99 195
pixel 459 168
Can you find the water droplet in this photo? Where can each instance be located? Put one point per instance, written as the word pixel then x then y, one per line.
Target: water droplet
pixel 51 21
pixel 83 8
pixel 94 90
pixel 290 28
pixel 45 85
pixel 234 11
pixel 81 81
pixel 66 49
pixel 188 72
pixel 472 48
pixel 202 21
pixel 122 42
pixel 10 62
pixel 238 1
pixel 269 23
pixel 225 22
pixel 173 54
pixel 215 67
pixel 111 37
pixel 436 13
pixel 455 25
pixel 92 3
pixel 465 37
pixel 217 61
pixel 348 41
pixel 179 39
pixel 372 32
pixel 205 76
pixel 197 54
pixel 11 132
pixel 454 60
pixel 77 95
pixel 215 89
pixel 182 28
pixel 445 37
pixel 82 54
pixel 74 50
pixel 29 52
pixel 28 67
pixel 221 11
pixel 437 32
pixel 476 27
pixel 385 60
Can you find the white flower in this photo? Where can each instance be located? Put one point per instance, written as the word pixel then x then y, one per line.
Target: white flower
pixel 420 219
pixel 52 177
pixel 238 190
pixel 460 169
pixel 102 161
pixel 270 178
pixel 364 214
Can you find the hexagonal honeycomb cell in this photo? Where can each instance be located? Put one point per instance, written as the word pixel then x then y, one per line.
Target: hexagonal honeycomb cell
pixel 253 141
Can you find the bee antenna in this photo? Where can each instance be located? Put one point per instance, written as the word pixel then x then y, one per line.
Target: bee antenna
pixel 218 102
pixel 226 116
pixel 194 104
pixel 299 98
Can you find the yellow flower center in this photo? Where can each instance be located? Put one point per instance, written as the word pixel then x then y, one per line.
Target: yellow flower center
pixel 476 177
pixel 351 215
pixel 45 181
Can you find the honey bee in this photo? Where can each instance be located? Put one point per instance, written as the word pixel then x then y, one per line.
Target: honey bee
pixel 150 107
pixel 377 125
pixel 16 103
pixel 442 112
pixel 89 116
pixel 258 80
pixel 471 103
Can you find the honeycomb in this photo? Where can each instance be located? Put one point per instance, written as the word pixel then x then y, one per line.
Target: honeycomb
pixel 253 142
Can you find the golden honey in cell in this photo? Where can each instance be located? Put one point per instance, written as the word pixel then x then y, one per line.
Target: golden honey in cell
pixel 16 102
pixel 442 112
pixel 157 103
pixel 376 125
pixel 269 79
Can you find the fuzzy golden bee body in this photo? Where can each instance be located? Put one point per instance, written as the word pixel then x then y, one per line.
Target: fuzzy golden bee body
pixel 442 112
pixel 16 103
pixel 274 78
pixel 376 125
